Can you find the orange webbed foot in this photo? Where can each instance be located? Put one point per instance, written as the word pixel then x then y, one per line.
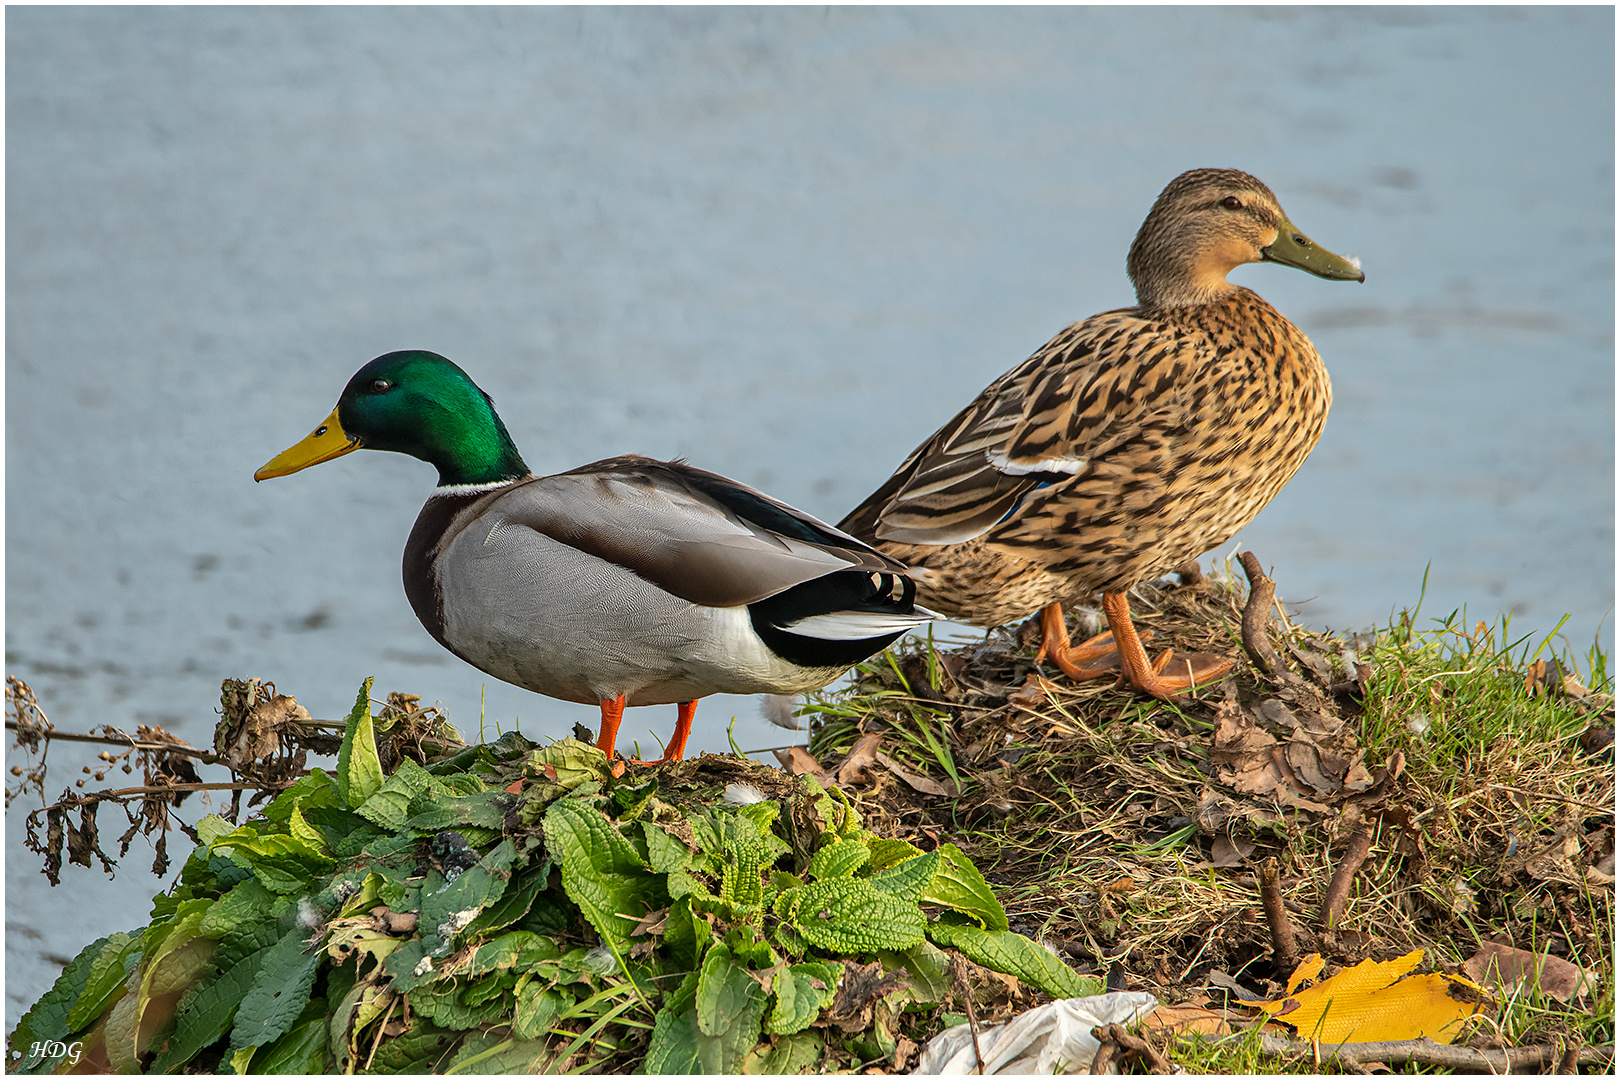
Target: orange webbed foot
pixel 677 741
pixel 1078 662
pixel 1119 652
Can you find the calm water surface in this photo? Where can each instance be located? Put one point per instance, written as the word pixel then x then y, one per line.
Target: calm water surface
pixel 786 244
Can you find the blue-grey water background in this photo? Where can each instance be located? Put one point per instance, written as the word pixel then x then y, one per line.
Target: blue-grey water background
pixel 784 243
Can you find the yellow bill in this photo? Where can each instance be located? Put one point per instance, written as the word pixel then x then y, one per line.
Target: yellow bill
pixel 323 444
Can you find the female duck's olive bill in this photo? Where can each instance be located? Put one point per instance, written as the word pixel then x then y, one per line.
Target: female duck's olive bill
pixel 326 442
pixel 1294 248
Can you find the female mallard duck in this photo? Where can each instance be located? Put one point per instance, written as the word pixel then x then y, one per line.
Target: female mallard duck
pixel 624 582
pixel 1130 443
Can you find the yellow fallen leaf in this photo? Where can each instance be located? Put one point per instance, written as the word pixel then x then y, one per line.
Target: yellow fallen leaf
pixel 1309 968
pixel 1182 1019
pixel 1379 1002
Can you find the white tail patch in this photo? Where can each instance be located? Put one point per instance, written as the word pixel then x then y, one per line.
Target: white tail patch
pixel 857 625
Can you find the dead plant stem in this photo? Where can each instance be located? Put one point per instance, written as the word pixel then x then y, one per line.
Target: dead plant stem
pixel 1425 1052
pixel 1338 891
pixel 958 970
pixel 1283 954
pixel 206 756
pixel 1257 616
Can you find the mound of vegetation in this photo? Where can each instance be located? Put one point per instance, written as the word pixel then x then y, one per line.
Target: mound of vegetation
pixel 1436 798
pixel 1440 784
pixel 517 908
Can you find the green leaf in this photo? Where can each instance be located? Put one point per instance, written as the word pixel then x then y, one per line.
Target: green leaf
pixel 359 771
pixel 205 1012
pixel 47 1020
pixel 674 1047
pixel 390 804
pixel 246 902
pixel 423 1049
pixel 211 827
pixel 802 991
pixel 520 949
pixel 486 809
pixel 665 853
pixel 907 880
pixel 448 909
pixel 306 793
pixel 282 862
pixel 601 871
pixel 103 979
pixel 514 902
pixel 958 885
pixel 353 936
pixel 1015 954
pixel 730 1003
pixel 538 1007
pixel 886 852
pixel 739 875
pixel 929 970
pixel 482 1053
pixel 279 993
pixel 307 834
pixel 794 1054
pixel 568 763
pixel 850 915
pixel 359 1006
pixel 839 860
pixel 180 964
pixel 243 941
pixel 301 1051
pixel 445 1005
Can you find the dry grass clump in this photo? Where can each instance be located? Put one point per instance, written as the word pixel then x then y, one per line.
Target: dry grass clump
pixel 1473 769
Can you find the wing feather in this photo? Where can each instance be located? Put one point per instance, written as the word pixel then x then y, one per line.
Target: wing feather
pixel 1055 419
pixel 695 534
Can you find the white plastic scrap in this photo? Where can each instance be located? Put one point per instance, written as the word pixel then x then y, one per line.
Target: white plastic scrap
pixel 1054 1038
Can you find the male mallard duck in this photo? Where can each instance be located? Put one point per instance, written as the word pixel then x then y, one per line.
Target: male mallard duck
pixel 624 582
pixel 1128 444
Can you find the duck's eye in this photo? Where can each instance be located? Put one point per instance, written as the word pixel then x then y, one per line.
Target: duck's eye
pixel 1232 202
pixel 379 386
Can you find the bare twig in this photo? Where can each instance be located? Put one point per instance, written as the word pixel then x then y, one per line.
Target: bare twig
pixel 1257 616
pixel 1106 1048
pixel 1424 1052
pixel 207 757
pixel 1338 892
pixel 1570 1060
pixel 1283 954
pixel 1115 1035
pixel 160 792
pixel 959 977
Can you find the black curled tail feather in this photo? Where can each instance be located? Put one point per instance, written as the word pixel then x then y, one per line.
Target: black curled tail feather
pixel 844 591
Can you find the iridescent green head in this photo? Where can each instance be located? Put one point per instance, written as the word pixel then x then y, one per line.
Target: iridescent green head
pixel 415 403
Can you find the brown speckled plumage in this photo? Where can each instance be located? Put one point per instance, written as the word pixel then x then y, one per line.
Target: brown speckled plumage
pixel 1130 442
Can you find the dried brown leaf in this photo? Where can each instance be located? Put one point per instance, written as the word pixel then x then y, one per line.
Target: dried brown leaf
pixel 1226 852
pixel 1510 969
pixel 917 782
pixel 859 759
